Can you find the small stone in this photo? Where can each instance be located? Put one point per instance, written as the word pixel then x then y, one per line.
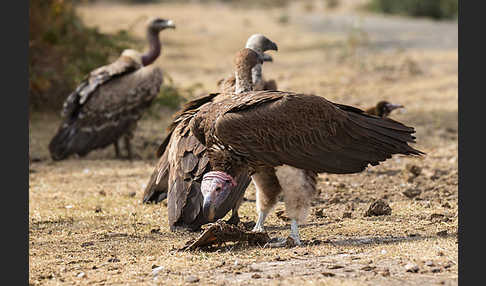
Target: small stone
pixel 132 194
pixel 328 274
pixel 347 215
pixel 438 217
pixel 102 193
pixel 81 275
pixel 429 263
pixel 192 279
pixel 88 243
pixel 383 251
pixel 446 205
pixel 435 270
pixel 98 209
pixel 442 233
pixel 414 169
pixel 368 268
pixel 385 272
pixel 335 266
pixel 411 267
pixel 319 213
pixel 156 270
pixel 411 193
pixel 256 276
pixel 113 259
pixel 378 208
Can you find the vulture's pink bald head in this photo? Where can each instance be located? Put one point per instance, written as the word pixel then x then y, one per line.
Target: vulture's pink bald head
pixel 215 188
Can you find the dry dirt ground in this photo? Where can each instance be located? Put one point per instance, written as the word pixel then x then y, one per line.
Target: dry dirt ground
pixel 86 221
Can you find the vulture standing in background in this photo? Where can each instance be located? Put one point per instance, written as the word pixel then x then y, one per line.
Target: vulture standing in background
pixel 383 108
pixel 183 159
pixel 108 103
pixel 258 131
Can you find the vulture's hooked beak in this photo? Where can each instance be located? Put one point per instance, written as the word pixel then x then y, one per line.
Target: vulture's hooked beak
pixel 209 209
pixel 215 188
pixel 272 46
pixel 392 107
pixel 170 24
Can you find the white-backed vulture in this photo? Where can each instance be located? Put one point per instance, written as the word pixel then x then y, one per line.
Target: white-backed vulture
pixel 110 100
pixel 383 108
pixel 183 161
pixel 258 131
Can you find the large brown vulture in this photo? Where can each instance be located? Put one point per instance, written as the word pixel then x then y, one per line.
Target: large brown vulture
pixel 110 100
pixel 183 160
pixel 257 131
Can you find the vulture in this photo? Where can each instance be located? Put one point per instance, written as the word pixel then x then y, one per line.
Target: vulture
pixel 183 159
pixel 259 131
pixel 383 108
pixel 107 104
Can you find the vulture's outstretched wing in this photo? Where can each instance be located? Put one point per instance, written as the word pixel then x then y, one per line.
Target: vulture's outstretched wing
pixel 111 110
pixel 96 78
pixel 304 131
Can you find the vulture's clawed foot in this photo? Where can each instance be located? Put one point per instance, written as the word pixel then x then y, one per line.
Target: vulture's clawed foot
pixel 258 228
pixel 234 220
pixel 288 242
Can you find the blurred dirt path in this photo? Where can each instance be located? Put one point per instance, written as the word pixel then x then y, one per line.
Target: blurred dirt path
pixel 387 33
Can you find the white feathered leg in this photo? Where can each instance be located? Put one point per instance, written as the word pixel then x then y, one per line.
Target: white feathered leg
pixel 267 190
pixel 299 189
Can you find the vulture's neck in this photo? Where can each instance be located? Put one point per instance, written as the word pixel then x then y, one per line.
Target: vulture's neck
pixel 372 110
pixel 154 48
pixel 256 74
pixel 243 78
pixel 225 161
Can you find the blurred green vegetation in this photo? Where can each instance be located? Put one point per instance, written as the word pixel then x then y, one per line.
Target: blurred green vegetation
pixel 436 9
pixel 62 51
pixel 172 96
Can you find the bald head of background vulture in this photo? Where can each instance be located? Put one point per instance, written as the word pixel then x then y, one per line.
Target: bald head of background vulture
pixel 183 161
pixel 383 108
pixel 110 100
pixel 260 44
pixel 260 130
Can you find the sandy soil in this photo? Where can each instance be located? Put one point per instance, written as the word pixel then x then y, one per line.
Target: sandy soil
pixel 86 221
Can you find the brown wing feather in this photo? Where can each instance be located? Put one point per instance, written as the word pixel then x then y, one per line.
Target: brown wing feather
pixel 306 131
pixel 157 187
